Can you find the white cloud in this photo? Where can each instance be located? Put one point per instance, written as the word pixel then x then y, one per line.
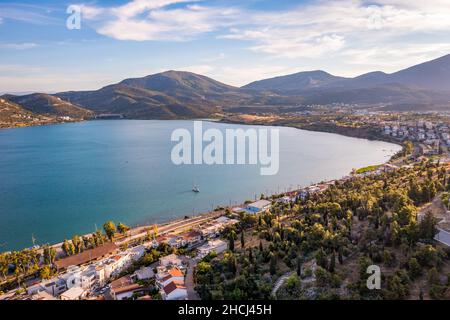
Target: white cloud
pixel 18 46
pixel 146 20
pixel 319 29
pixel 324 27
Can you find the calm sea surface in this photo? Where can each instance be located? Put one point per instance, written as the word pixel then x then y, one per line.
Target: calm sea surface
pixel 61 180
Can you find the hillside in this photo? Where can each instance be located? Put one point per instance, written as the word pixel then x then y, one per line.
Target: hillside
pixel 13 115
pixel 426 83
pixel 296 82
pixel 45 104
pixel 167 95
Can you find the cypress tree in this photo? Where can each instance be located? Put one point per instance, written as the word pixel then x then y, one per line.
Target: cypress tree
pixel 231 244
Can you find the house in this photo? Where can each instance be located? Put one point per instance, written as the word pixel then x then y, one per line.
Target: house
pixel 191 238
pixel 171 240
pixel 223 222
pixel 79 277
pixel 258 206
pixel 286 200
pixel 171 260
pixel 214 228
pixel 43 296
pixel 302 194
pixel 144 273
pixel 137 252
pixel 100 274
pixel 174 291
pixel 36 288
pixel 124 288
pixel 165 276
pixel 55 286
pixel 217 246
pixel 75 293
pixel 238 210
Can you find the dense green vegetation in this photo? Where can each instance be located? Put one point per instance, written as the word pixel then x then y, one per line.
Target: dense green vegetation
pixel 328 240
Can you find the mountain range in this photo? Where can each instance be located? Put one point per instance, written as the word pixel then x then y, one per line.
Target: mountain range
pixel 186 95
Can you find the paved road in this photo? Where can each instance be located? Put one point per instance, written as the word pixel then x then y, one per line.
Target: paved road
pixel 192 294
pixel 280 282
pixel 174 226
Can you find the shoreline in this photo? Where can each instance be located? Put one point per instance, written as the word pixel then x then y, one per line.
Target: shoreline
pixel 144 227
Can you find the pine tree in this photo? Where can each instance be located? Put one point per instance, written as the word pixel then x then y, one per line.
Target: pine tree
pixel 250 255
pixel 340 257
pixel 242 240
pixel 231 243
pixel 299 266
pixel 273 264
pixel 332 264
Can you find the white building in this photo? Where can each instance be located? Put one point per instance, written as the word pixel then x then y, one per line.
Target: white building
pixel 124 288
pixel 75 293
pixel 170 260
pixel 174 291
pixel 165 276
pixel 259 206
pixel 217 246
pixel 144 273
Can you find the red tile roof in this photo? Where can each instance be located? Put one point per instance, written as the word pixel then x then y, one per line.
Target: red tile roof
pixel 171 287
pixel 124 284
pixel 175 272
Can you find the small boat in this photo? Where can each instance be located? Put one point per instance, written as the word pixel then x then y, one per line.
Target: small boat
pixel 196 189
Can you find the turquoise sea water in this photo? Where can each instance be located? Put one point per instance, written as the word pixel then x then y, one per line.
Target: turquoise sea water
pixel 60 180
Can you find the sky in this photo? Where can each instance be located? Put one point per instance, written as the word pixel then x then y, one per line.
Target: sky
pixel 233 41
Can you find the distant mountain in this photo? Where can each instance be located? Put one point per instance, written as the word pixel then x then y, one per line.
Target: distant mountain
pixel 181 84
pixel 432 75
pixel 167 95
pixel 426 83
pixel 296 82
pixel 45 104
pixel 186 95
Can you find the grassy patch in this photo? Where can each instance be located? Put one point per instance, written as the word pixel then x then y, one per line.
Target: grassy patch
pixel 367 169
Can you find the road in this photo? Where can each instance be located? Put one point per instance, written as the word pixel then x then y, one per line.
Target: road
pixel 172 227
pixel 280 282
pixel 189 282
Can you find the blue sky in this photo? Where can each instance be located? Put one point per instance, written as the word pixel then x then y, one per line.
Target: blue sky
pixel 232 41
